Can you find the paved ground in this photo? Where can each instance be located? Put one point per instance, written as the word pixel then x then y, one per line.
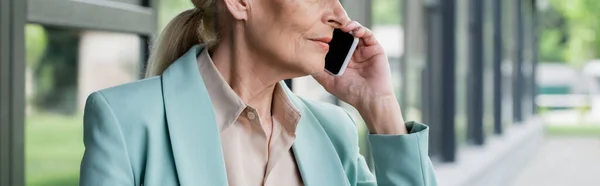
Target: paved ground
pixel 563 161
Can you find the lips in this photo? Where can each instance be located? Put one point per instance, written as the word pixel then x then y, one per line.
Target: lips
pixel 323 42
pixel 323 39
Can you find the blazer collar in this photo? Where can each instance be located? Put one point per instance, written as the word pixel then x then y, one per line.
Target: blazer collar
pixel 195 137
pixel 315 155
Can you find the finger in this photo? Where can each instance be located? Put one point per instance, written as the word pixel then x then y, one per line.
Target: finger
pixel 367 52
pixel 324 78
pixel 351 26
pixel 361 32
pixel 367 36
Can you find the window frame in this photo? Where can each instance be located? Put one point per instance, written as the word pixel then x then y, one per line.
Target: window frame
pixel 127 16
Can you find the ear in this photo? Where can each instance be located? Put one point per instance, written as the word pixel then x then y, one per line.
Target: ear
pixel 238 8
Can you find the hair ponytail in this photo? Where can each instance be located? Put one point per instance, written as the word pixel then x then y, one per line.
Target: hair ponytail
pixel 187 29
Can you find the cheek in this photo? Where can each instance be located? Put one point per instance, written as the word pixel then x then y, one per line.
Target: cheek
pixel 304 58
pixel 283 33
pixel 298 21
pixel 299 56
pixel 290 44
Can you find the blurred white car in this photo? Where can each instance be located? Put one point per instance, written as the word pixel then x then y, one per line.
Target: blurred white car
pixel 591 71
pixel 560 86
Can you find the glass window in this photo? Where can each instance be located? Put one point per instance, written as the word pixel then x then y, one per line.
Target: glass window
pixel 413 60
pixel 488 75
pixel 527 60
pixel 508 38
pixel 167 10
pixel 462 69
pixel 389 32
pixel 63 67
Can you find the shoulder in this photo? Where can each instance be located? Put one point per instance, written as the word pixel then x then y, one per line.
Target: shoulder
pixel 138 88
pixel 132 100
pixel 141 90
pixel 337 124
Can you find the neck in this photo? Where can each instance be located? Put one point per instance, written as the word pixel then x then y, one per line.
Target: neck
pixel 250 76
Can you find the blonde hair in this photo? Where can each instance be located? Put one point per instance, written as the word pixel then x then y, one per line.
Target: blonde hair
pixel 187 29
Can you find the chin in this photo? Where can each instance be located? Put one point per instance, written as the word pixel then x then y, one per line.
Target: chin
pixel 314 65
pixel 309 63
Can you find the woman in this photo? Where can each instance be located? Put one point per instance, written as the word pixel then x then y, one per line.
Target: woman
pixel 214 111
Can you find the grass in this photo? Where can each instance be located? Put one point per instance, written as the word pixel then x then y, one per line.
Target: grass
pixel 573 130
pixel 53 149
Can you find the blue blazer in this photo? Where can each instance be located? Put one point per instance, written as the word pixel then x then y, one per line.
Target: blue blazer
pixel 162 131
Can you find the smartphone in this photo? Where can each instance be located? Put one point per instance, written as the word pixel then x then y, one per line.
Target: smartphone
pixel 341 49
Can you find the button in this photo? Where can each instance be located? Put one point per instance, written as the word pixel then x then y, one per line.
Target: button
pixel 251 115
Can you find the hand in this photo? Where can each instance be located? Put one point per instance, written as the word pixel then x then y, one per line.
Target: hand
pixel 367 84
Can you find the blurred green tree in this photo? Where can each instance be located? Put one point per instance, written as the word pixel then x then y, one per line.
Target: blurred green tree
pixel 553 35
pixel 583 29
pixel 387 12
pixel 52 58
pixel 35 44
pixel 167 10
pixel 56 72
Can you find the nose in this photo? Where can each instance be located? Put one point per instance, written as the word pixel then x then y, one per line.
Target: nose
pixel 336 16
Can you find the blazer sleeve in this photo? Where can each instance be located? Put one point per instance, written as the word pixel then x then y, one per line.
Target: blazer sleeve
pixel 399 159
pixel 105 161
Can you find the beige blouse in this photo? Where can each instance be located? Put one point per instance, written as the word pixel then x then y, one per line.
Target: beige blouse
pixel 250 158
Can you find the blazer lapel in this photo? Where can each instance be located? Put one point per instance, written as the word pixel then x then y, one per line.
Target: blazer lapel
pixel 196 142
pixel 315 155
pixel 194 135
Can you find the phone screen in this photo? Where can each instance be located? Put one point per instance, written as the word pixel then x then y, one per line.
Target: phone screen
pixel 339 47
